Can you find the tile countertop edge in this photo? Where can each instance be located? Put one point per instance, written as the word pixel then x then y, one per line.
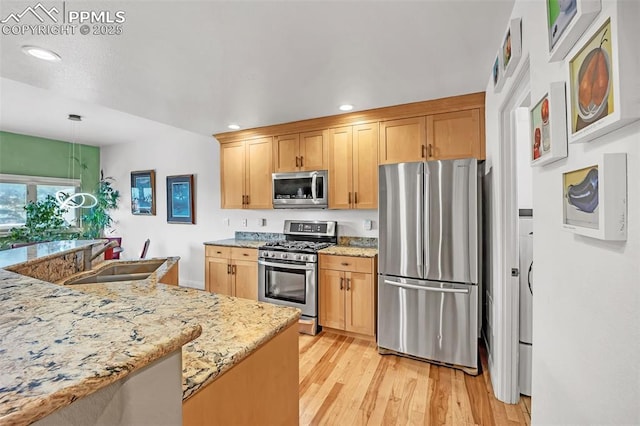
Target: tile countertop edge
pixel 232 242
pixel 349 251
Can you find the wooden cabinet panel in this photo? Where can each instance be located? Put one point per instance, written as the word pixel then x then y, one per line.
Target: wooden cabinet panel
pixel 347 263
pixel 313 151
pixel 402 140
pixel 258 174
pixel 454 135
pixel 245 276
pixel 360 303
pixel 240 253
pixel 347 299
pixel 340 168
pixel 286 150
pixel 232 172
pixel 365 166
pixel 331 295
pixel 217 276
pixel 217 251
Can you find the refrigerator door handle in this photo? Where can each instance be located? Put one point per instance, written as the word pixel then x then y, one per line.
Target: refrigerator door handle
pixel 419 223
pixel 426 218
pixel 435 289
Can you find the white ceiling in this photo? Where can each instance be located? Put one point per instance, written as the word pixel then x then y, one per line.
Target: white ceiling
pixel 199 66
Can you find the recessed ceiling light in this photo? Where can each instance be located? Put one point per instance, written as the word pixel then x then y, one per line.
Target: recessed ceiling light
pixel 233 126
pixel 346 107
pixel 40 53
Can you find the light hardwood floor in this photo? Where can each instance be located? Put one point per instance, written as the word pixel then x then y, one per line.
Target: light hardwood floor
pixel 344 381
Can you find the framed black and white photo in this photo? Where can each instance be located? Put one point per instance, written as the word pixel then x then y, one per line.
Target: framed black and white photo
pixel 180 202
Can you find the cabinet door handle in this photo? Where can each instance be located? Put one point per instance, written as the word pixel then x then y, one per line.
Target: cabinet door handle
pixel 228 269
pixel 243 200
pixel 218 252
pixel 355 198
pixel 349 198
pixel 233 270
pixel 430 150
pixel 301 161
pixel 423 151
pixel 348 284
pixel 248 200
pixel 245 254
pixel 341 283
pixel 297 164
pixel 344 264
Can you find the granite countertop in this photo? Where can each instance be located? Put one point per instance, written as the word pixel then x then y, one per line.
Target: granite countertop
pixel 43 251
pixel 350 251
pixel 232 328
pixel 58 344
pixel 233 242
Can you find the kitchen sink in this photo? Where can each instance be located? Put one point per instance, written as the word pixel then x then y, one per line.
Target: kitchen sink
pixel 139 270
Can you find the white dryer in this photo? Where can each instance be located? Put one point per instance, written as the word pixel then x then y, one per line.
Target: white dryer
pixel 526 301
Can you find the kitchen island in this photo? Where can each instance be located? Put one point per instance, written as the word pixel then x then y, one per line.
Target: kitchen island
pixel 242 369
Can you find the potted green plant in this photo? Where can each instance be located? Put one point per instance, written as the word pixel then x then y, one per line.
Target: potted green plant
pixel 98 219
pixel 45 222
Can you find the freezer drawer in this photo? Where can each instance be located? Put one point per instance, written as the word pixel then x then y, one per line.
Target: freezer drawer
pixel 427 319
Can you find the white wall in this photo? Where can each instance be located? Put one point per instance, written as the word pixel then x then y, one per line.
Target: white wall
pixel 586 321
pixel 181 152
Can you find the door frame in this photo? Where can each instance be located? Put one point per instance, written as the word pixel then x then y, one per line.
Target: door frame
pixel 504 368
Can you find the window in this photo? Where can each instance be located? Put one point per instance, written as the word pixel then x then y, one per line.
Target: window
pixel 17 190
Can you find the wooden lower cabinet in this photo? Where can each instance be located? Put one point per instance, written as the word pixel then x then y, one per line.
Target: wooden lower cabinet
pixel 347 294
pixel 232 271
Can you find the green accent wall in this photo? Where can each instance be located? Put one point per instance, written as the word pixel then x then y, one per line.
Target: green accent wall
pixel 34 156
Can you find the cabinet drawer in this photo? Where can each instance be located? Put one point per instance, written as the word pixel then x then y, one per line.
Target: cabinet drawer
pixel 217 251
pixel 239 253
pixel 347 263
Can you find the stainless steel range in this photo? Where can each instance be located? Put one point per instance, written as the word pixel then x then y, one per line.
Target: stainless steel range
pixel 288 269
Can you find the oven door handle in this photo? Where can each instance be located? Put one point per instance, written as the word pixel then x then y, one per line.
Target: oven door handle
pixel 285 265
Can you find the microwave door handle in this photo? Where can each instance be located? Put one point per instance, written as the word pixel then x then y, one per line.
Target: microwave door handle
pixel 314 178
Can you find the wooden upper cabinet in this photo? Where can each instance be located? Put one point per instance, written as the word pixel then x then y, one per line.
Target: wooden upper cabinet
pixel 286 153
pixel 313 151
pixel 455 135
pixel 353 167
pixel 232 174
pixel 402 140
pixel 245 169
pixel 365 166
pixel 340 168
pixel 300 152
pixel 258 174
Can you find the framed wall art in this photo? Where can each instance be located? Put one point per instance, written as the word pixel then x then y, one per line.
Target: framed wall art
pixel 603 93
pixel 512 47
pixel 143 192
pixel 180 204
pixel 567 20
pixel 595 198
pixel 496 74
pixel 549 126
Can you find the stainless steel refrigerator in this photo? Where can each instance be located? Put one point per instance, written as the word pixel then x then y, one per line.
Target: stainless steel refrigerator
pixel 429 260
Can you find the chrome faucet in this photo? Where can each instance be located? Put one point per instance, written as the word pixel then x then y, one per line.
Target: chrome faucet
pixel 88 257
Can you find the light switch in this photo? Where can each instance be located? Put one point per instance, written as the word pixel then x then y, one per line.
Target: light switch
pixel 226 221
pixel 367 225
pixel 261 222
pixel 244 223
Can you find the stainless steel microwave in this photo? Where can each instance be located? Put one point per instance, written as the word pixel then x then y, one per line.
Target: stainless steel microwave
pixel 300 190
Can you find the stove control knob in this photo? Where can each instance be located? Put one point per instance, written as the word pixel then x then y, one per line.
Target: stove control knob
pixel 284 255
pixel 271 254
pixel 299 257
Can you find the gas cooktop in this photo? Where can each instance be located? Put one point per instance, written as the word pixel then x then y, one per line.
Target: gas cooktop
pixel 298 246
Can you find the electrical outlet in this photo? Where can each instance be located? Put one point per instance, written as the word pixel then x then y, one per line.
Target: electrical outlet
pixel 367 225
pixel 226 221
pixel 261 222
pixel 244 223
